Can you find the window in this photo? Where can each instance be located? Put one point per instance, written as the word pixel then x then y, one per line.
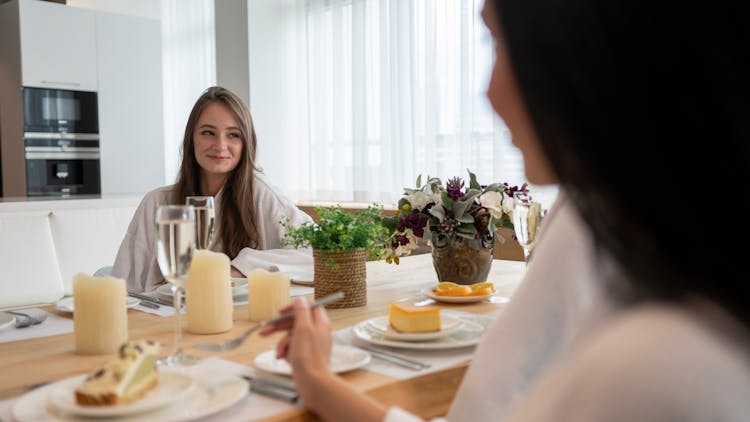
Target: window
pixel 369 94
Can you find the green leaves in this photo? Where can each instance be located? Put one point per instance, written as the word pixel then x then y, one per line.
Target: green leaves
pixel 338 231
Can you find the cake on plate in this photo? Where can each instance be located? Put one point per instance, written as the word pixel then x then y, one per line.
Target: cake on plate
pixel 123 380
pixel 407 318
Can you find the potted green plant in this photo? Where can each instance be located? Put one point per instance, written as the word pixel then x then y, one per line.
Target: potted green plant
pixel 341 244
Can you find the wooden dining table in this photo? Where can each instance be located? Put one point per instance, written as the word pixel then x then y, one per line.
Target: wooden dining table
pixel 24 364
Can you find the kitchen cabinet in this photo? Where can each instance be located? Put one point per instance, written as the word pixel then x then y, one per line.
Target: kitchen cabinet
pixel 130 103
pixel 58 46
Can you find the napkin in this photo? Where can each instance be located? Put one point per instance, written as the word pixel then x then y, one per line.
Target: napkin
pixel 51 326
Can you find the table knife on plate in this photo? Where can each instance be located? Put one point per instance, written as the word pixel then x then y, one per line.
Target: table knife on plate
pixel 152 299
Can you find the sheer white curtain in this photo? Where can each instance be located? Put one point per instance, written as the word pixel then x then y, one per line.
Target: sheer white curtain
pixel 189 67
pixel 375 92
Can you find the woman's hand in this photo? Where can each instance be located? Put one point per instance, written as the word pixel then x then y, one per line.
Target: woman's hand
pixel 307 347
pixel 307 344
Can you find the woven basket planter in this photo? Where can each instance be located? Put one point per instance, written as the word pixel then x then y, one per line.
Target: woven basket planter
pixel 346 272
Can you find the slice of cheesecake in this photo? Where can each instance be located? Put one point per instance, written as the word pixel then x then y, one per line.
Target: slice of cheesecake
pixel 407 318
pixel 124 379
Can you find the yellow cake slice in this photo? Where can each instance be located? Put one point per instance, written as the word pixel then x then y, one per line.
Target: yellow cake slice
pixel 124 379
pixel 407 318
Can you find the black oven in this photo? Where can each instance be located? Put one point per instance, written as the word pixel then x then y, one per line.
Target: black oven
pixel 61 140
pixel 60 111
pixel 62 166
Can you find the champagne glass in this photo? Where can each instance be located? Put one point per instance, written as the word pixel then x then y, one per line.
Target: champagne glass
pixel 204 219
pixel 175 241
pixel 526 219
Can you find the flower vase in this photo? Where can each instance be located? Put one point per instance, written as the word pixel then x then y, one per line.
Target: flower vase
pixel 462 260
pixel 343 271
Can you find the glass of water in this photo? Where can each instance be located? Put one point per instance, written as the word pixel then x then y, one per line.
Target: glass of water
pixel 527 216
pixel 204 219
pixel 175 242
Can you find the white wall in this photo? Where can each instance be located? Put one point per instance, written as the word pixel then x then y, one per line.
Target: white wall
pixel 266 99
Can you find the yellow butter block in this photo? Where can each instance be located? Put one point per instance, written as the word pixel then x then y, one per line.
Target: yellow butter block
pixel 407 318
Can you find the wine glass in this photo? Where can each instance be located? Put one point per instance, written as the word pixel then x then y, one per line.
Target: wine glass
pixel 175 241
pixel 526 219
pixel 204 219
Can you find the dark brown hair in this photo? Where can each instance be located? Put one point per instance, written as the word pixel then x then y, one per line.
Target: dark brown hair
pixel 642 109
pixel 238 226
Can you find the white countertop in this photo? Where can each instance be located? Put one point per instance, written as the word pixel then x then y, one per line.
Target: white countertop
pixel 77 202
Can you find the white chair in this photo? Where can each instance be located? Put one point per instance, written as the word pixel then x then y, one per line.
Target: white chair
pixel 29 271
pixel 87 240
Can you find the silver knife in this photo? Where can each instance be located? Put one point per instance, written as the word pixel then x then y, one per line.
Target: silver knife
pixel 157 300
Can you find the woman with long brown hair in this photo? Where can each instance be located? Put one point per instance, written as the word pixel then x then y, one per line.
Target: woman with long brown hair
pixel 218 159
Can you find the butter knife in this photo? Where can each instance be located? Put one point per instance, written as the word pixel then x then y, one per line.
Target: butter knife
pixel 148 298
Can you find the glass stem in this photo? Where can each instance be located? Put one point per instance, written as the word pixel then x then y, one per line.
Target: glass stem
pixel 177 297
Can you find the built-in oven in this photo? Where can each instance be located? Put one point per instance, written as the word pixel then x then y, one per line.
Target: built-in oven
pixel 59 111
pixel 61 140
pixel 62 165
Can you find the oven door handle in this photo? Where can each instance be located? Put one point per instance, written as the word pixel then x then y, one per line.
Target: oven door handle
pixel 67 155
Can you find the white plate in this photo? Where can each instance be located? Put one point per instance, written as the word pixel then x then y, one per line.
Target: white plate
pixel 455 299
pixel 6 320
pixel 171 387
pixel 343 358
pixel 381 326
pixel 66 304
pixel 301 278
pixel 212 393
pixel 468 334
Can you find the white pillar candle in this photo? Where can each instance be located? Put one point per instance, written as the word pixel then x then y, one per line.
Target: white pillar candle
pixel 100 319
pixel 267 292
pixel 208 293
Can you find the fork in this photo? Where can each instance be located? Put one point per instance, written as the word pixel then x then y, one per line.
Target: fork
pixel 235 342
pixel 28 320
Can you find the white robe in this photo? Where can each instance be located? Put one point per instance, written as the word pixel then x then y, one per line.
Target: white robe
pixel 136 259
pixel 545 314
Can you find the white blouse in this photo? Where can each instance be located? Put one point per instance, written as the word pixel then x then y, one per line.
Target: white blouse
pixel 136 259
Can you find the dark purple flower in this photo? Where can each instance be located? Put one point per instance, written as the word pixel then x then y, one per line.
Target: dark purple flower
pixel 454 187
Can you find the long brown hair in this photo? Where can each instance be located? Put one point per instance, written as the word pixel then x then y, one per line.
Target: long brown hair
pixel 238 226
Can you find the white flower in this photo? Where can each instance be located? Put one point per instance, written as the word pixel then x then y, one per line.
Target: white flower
pixel 508 204
pixel 419 200
pixel 493 201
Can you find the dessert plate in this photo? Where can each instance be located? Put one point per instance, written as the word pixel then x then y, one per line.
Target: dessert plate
pixel 343 358
pixel 468 334
pixel 380 325
pixel 171 386
pixel 66 304
pixel 211 393
pixel 455 299
pixel 301 278
pixel 6 320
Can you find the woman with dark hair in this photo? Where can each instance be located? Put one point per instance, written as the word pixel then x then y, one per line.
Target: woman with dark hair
pixel 610 98
pixel 218 159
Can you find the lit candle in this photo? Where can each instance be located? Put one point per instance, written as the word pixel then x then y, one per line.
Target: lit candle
pixel 267 292
pixel 208 293
pixel 99 314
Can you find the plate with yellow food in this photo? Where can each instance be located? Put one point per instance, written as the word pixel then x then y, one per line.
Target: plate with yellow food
pixel 450 292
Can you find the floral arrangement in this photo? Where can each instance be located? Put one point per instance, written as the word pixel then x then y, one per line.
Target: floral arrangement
pixel 449 210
